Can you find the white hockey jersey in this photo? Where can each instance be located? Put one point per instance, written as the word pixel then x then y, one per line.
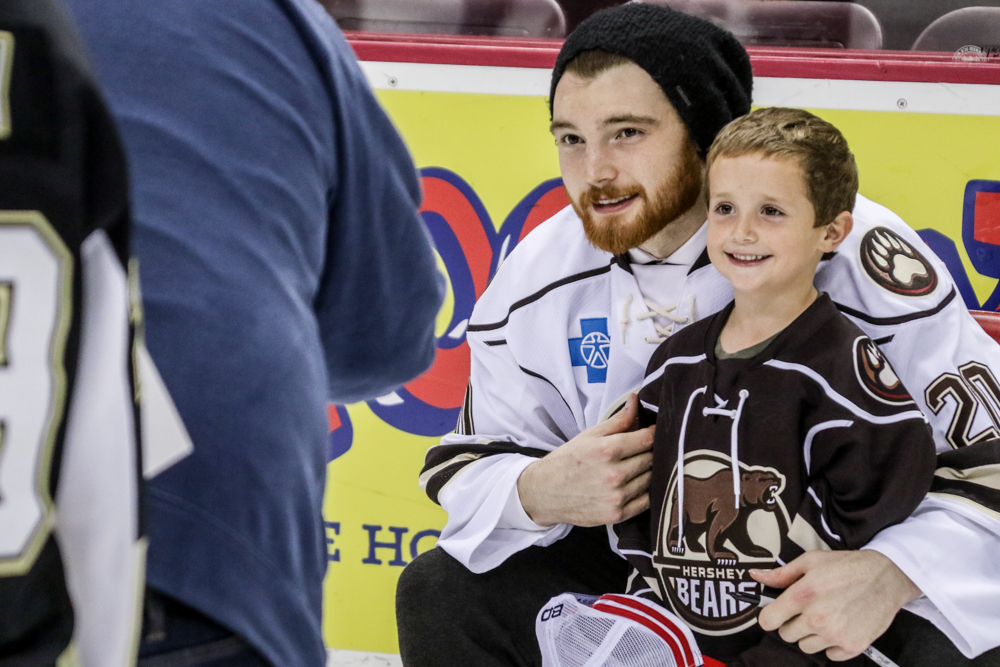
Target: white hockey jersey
pixel 562 336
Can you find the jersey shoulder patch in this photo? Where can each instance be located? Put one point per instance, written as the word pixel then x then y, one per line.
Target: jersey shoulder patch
pixel 875 374
pixel 895 265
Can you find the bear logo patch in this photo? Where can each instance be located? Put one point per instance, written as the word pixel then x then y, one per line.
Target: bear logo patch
pixel 895 265
pixel 876 375
pixel 701 561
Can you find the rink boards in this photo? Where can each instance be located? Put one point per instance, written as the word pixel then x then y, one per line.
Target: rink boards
pixel 926 136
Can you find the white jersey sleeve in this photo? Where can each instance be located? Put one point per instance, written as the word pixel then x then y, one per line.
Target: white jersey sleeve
pixel 890 284
pixel 512 415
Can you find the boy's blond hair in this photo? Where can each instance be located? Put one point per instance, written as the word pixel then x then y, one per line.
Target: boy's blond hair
pixel 827 164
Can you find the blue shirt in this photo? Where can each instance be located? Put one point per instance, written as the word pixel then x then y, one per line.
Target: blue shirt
pixel 283 264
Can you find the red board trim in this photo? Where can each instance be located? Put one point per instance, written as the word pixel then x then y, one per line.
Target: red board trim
pixel 771 62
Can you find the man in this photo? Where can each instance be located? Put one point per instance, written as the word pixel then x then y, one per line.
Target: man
pixel 564 333
pixel 71 549
pixel 284 265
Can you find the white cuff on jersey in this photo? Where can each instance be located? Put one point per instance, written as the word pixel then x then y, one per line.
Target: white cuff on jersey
pixel 513 515
pixel 936 543
pixel 475 501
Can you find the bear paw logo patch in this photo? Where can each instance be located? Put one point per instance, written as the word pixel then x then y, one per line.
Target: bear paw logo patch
pixel 876 375
pixel 895 265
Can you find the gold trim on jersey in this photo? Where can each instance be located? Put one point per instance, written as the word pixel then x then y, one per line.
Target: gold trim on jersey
pixel 69 657
pixel 987 475
pixel 968 503
pixel 140 550
pixel 23 562
pixel 804 535
pixel 426 476
pixel 6 65
pixel 137 320
pixel 6 297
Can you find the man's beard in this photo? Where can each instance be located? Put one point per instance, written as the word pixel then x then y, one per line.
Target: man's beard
pixel 675 196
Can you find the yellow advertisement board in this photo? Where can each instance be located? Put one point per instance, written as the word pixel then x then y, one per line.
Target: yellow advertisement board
pixel 490 174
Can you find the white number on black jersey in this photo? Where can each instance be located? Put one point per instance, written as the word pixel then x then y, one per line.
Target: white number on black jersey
pixel 36 271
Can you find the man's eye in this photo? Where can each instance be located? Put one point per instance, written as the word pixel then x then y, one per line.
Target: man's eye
pixel 629 132
pixel 569 139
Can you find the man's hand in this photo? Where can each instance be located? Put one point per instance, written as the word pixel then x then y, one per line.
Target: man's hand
pixel 837 601
pixel 601 476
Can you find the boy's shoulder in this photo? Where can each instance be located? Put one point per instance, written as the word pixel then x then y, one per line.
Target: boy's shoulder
pixel 820 336
pixel 841 358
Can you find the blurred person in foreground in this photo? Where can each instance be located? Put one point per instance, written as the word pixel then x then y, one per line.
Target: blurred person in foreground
pixel 72 549
pixel 541 461
pixel 284 266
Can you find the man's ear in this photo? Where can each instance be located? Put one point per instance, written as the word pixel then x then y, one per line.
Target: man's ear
pixel 835 232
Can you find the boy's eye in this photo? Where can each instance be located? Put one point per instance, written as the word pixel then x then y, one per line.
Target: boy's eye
pixel 724 209
pixel 770 211
pixel 629 132
pixel 569 140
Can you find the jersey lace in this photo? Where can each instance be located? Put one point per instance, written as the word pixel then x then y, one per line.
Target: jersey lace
pixel 654 310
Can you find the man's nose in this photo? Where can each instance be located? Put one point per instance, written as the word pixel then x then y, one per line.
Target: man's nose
pixel 600 167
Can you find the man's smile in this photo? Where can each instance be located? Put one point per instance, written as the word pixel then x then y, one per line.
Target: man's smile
pixel 611 205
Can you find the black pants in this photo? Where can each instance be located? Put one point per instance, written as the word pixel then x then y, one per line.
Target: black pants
pixel 449 617
pixel 175 635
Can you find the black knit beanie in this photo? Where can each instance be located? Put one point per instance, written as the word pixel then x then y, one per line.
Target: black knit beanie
pixel 704 70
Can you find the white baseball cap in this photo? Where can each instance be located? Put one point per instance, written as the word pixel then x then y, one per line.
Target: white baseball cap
pixel 613 631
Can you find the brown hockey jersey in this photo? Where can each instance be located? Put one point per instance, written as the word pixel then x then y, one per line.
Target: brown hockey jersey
pixel 813 443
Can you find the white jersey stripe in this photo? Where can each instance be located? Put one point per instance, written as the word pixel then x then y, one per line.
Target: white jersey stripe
pixel 674 360
pixel 813 432
pixel 841 400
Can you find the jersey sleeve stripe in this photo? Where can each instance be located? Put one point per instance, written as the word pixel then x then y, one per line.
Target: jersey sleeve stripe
pixel 971 475
pixel 549 382
pixel 443 462
pixel 841 400
pixel 658 373
pixel 538 295
pixel 435 479
pixel 465 425
pixel 981 454
pixel 985 496
pixel 814 431
pixel 899 319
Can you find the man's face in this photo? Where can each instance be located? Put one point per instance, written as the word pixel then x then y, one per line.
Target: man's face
pixel 627 160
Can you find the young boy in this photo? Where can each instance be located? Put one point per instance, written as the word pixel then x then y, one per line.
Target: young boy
pixel 780 427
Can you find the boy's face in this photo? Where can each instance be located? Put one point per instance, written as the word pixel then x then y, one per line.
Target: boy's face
pixel 760 225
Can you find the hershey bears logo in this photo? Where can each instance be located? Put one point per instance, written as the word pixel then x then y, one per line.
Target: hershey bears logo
pixel 895 265
pixel 876 375
pixel 701 561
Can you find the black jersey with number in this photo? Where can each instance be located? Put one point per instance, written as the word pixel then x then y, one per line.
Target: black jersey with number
pixel 812 444
pixel 70 543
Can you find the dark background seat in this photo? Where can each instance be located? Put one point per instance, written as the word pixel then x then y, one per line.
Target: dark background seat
pixel 508 18
pixel 972 26
pixel 800 23
pixel 904 20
